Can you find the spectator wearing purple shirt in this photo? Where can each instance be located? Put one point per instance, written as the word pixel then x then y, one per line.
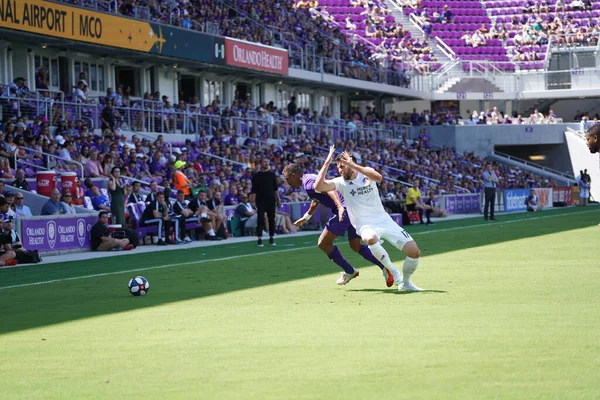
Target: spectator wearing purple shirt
pixel 232 197
pixel 157 168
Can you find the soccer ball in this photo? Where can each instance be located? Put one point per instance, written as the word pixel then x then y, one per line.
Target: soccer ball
pixel 138 286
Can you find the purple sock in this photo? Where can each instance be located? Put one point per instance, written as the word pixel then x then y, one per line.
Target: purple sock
pixel 367 255
pixel 339 259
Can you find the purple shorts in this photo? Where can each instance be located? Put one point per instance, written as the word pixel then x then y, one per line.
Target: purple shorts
pixel 340 228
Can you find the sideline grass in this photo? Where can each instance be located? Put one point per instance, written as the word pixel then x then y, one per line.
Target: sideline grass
pixel 510 314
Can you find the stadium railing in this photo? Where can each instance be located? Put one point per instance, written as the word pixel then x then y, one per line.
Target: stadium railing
pixel 53 160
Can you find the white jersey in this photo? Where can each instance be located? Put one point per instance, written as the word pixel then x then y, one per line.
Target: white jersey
pixel 361 198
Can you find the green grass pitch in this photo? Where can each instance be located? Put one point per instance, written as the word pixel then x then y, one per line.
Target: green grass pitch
pixel 511 313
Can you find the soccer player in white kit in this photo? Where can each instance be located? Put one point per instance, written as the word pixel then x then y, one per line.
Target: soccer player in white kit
pixel 358 185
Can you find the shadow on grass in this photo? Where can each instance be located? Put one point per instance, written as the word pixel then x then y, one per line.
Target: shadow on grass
pixel 186 274
pixel 396 291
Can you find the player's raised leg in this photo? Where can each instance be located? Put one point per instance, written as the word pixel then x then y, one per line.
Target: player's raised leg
pixel 325 243
pixel 372 239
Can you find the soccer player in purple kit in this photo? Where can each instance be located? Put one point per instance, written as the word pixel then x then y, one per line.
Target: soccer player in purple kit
pixel 337 225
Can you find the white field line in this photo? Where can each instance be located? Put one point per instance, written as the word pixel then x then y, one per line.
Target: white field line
pixel 129 271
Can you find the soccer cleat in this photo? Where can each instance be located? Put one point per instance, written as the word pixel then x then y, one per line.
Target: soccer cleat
pixel 409 287
pixel 160 242
pixel 389 278
pixel 345 278
pixel 272 242
pixel 187 239
pixel 260 243
pixel 11 262
pixel 128 247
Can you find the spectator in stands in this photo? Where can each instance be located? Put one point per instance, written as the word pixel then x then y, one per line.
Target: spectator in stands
pixel 67 202
pixel 20 182
pixel 2 188
pixel 292 108
pixel 53 206
pixel 93 168
pixel 21 210
pixel 10 199
pixel 108 117
pixel 117 196
pixel 99 200
pixel 232 197
pixel 156 214
pixel 101 239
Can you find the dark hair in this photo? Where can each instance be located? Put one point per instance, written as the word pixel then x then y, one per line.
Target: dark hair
pixel 112 171
pixel 180 192
pixel 339 158
pixel 594 131
pixel 102 213
pixel 292 168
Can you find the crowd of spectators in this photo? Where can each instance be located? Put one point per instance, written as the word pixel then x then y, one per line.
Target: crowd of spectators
pixel 297 27
pixel 218 163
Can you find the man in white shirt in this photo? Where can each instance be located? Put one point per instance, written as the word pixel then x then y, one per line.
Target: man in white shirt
pixel 21 210
pixel 358 186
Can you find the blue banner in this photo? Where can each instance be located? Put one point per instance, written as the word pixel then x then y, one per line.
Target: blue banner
pixel 514 199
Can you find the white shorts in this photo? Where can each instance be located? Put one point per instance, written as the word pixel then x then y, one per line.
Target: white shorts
pixel 387 229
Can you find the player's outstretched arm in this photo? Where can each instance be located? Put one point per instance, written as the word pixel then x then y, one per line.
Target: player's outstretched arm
pixel 311 210
pixel 321 184
pixel 366 171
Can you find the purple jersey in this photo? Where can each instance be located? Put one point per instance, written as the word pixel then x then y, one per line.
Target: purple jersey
pixel 308 183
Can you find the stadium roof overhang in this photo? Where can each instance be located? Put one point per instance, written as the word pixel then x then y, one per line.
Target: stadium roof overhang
pixel 350 87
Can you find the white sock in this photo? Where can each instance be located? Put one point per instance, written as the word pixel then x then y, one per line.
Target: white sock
pixel 383 256
pixel 211 233
pixel 203 215
pixel 409 267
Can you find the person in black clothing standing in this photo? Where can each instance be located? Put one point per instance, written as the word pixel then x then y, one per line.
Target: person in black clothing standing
pixel 266 197
pixel 108 117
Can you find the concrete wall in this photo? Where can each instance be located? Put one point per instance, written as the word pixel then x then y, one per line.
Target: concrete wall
pixel 482 139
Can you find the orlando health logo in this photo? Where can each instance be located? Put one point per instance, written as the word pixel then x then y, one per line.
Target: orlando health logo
pixel 51 233
pixel 81 231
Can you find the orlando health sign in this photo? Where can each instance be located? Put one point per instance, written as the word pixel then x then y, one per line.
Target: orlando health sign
pixel 57 233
